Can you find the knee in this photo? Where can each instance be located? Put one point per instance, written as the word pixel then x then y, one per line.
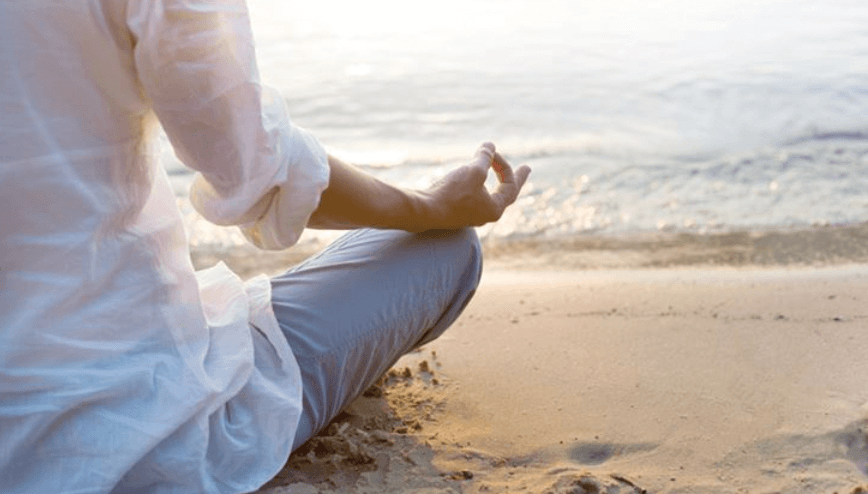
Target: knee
pixel 471 239
pixel 461 248
pixel 459 257
pixel 470 248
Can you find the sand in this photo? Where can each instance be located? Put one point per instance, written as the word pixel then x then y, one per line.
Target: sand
pixel 730 379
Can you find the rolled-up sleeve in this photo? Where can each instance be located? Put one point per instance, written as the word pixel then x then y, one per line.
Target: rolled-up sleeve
pixel 256 170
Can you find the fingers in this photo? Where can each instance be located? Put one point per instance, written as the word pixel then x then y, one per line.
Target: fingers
pixel 487 157
pixel 487 148
pixel 521 176
pixel 511 181
pixel 484 157
pixel 502 168
pixel 508 190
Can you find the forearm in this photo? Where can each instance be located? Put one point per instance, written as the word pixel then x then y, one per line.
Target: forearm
pixel 460 199
pixel 356 199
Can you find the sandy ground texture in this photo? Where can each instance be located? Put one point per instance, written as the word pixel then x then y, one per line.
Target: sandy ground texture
pixel 680 380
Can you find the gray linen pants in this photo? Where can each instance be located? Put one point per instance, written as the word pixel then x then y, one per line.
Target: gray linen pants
pixel 351 311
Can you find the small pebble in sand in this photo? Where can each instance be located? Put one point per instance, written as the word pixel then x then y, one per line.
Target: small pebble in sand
pixel 382 436
pixel 461 475
pixel 374 391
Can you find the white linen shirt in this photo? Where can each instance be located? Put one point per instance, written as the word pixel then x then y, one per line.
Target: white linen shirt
pixel 122 369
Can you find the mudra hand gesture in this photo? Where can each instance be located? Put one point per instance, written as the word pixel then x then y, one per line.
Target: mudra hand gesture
pixel 461 198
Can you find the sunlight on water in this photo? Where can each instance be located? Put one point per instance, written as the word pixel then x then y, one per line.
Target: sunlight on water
pixel 429 79
pixel 673 115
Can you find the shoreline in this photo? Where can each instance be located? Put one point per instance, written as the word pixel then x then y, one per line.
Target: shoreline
pixel 689 379
pixel 760 248
pixel 767 247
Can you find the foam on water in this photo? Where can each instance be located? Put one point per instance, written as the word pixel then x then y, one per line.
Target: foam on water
pixel 693 116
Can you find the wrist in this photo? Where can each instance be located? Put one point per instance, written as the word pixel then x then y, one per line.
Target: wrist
pixel 423 213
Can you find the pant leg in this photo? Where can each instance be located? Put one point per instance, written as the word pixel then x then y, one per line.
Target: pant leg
pixel 351 311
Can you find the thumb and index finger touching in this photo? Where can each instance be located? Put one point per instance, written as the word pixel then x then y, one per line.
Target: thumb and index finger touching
pixel 511 181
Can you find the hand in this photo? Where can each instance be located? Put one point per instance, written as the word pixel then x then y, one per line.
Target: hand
pixel 461 199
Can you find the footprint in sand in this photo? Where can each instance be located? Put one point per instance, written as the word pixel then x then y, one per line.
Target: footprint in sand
pixel 855 439
pixel 599 453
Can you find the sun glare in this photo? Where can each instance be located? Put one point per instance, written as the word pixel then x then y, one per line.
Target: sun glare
pixel 358 19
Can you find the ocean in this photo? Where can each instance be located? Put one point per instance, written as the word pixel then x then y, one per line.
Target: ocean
pixel 690 117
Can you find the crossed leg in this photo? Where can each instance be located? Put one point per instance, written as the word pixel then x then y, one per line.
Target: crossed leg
pixel 351 311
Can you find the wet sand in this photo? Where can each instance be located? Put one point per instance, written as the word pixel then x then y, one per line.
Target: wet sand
pixel 712 379
pixel 819 246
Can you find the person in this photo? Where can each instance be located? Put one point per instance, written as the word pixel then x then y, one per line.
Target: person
pixel 121 368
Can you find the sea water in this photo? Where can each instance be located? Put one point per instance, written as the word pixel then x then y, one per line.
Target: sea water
pixel 636 116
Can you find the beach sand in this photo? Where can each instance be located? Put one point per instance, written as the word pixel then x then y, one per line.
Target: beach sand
pixel 733 378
